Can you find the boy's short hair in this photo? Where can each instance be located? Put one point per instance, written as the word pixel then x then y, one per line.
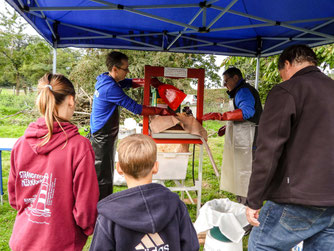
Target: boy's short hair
pixel 115 58
pixel 137 154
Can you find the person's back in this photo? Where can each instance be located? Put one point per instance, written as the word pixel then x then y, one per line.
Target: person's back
pixel 294 160
pixel 308 154
pixel 52 182
pixel 146 216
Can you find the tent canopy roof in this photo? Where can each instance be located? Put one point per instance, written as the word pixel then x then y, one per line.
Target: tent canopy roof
pixel 225 27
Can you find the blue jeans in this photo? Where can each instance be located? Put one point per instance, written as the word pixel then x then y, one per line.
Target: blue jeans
pixel 283 226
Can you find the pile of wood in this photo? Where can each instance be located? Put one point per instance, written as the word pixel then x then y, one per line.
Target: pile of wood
pixel 83 108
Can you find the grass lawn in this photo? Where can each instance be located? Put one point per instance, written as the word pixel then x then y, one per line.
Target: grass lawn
pixel 14 127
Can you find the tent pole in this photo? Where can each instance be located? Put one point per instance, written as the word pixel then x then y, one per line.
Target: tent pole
pixel 257 73
pixel 54 67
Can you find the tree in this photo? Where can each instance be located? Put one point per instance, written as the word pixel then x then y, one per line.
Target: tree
pixel 269 75
pixel 12 44
pixel 25 58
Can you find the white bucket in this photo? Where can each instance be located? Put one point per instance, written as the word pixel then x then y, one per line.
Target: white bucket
pixel 212 244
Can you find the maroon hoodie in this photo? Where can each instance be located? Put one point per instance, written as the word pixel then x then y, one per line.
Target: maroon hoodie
pixel 53 188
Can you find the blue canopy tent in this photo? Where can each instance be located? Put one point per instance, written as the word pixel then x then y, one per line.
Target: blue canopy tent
pixel 253 28
pixel 226 27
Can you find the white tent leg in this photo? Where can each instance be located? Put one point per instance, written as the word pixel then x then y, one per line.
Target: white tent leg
pixel 257 73
pixel 54 67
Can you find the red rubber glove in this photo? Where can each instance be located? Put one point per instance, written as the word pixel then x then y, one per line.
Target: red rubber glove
pixel 149 110
pixel 235 115
pixel 156 83
pixel 221 131
pixel 138 82
pixel 212 116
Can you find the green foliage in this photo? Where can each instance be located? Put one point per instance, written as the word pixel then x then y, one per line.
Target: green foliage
pixel 269 74
pixel 24 58
pixel 16 110
pixel 325 55
pixel 93 63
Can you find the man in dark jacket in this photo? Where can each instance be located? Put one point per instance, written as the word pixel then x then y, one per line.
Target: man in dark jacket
pixel 104 120
pixel 294 162
pixel 242 120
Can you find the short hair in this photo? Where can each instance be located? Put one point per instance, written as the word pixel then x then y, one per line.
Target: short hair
pixel 297 53
pixel 115 58
pixel 137 154
pixel 232 72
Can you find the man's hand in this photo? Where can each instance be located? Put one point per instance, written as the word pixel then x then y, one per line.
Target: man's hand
pixel 252 216
pixel 156 83
pixel 212 116
pixel 221 131
pixel 149 110
pixel 138 82
pixel 235 115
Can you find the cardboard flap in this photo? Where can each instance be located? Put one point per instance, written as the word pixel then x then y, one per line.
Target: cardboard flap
pixel 188 123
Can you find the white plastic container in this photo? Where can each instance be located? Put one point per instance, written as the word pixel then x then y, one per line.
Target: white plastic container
pixel 211 244
pixel 122 133
pixel 172 166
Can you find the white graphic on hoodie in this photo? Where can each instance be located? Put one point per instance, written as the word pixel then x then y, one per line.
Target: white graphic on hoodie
pixel 152 242
pixel 39 209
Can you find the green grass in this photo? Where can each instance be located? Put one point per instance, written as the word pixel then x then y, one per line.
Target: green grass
pixel 15 126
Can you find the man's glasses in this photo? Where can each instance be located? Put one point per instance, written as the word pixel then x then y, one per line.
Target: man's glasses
pixel 126 69
pixel 226 80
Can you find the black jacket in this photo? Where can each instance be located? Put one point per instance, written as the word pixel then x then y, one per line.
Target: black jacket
pixel 148 217
pixel 258 107
pixel 294 159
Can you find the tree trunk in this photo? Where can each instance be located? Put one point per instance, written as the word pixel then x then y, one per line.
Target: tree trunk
pixel 17 84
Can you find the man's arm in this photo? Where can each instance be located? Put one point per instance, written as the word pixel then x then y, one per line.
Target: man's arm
pixel 125 83
pixel 245 101
pixel 117 96
pixel 274 131
pixel 138 82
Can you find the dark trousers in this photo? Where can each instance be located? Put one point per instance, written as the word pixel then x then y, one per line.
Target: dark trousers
pixel 104 145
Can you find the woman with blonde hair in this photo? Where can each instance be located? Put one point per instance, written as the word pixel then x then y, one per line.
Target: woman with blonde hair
pixel 52 181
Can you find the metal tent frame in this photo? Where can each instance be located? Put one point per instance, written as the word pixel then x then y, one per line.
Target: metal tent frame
pixel 232 28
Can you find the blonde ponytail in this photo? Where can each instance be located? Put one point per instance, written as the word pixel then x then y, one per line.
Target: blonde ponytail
pixel 52 91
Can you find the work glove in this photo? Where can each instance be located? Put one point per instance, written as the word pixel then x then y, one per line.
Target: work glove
pixel 138 82
pixel 221 131
pixel 156 83
pixel 235 115
pixel 149 110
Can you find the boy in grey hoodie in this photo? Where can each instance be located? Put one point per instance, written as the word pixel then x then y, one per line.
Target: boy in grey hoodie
pixel 147 216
